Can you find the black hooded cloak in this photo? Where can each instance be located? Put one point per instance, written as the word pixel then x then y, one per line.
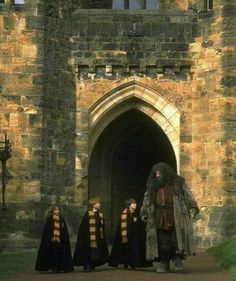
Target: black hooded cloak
pixel 84 254
pixel 54 256
pixel 133 252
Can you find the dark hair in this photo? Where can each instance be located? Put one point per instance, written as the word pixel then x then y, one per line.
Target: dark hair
pixel 167 172
pixel 129 201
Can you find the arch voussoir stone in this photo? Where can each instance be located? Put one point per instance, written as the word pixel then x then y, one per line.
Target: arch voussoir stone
pixel 135 95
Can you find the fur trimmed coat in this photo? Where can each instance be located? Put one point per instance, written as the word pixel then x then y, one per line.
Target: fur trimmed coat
pixel 184 202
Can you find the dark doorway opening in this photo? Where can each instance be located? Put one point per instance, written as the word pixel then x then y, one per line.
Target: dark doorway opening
pixel 122 159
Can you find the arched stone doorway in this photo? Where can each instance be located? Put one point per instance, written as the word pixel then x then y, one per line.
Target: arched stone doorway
pixel 125 141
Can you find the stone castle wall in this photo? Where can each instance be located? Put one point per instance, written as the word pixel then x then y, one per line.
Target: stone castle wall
pixel 213 131
pixel 58 71
pixel 21 100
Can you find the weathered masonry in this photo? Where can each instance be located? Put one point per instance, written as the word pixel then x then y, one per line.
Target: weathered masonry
pixel 93 93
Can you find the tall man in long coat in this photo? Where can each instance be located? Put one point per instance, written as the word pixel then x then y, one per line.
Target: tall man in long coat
pixel 168 208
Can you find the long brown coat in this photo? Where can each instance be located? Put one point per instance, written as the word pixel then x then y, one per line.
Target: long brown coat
pixel 183 201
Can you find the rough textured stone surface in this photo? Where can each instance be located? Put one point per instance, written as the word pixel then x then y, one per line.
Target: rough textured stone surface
pixel 92 97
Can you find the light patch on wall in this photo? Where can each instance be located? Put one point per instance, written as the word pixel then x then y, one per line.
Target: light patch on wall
pixel 21 23
pixel 19 2
pixel 28 51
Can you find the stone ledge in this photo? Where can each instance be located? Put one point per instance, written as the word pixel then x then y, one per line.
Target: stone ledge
pixel 105 12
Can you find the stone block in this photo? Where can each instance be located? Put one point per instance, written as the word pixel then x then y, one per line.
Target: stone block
pixel 9 22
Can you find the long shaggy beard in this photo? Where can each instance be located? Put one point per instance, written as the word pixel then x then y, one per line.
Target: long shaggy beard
pixel 161 182
pixel 157 183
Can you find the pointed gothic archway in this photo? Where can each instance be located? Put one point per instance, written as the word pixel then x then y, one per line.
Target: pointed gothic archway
pixel 131 128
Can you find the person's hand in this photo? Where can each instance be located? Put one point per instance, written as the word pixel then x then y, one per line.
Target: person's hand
pixel 193 213
pixel 144 218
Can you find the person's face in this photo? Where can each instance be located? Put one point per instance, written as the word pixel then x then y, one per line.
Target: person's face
pixel 97 205
pixel 56 211
pixel 158 174
pixel 133 206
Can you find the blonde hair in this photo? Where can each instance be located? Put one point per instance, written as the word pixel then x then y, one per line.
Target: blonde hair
pixel 94 200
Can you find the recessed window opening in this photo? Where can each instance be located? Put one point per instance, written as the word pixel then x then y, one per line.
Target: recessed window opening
pixel 151 4
pixel 135 4
pixel 19 2
pixel 118 4
pixel 208 5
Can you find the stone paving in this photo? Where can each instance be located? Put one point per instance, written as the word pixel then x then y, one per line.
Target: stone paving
pixel 199 268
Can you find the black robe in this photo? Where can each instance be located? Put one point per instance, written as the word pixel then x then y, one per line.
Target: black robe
pixel 133 252
pixel 54 255
pixel 84 254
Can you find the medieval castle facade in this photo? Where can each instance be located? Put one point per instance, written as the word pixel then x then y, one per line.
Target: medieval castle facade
pixel 93 93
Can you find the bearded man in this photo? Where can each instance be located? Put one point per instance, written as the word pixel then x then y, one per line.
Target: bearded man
pixel 168 209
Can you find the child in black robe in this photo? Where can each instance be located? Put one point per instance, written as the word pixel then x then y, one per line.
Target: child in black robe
pixel 129 244
pixel 91 247
pixel 54 252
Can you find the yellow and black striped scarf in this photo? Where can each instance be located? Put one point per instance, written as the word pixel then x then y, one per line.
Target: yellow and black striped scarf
pixel 92 228
pixel 124 216
pixel 56 237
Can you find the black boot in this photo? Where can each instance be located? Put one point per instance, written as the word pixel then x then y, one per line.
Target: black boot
pixel 133 267
pixel 87 268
